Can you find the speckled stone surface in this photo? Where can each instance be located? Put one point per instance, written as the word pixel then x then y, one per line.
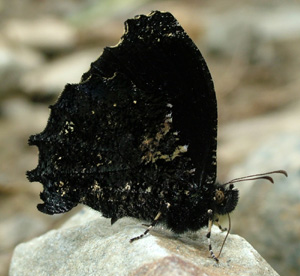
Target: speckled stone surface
pixel 88 245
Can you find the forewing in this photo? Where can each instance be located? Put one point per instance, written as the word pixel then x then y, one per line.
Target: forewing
pixel 143 116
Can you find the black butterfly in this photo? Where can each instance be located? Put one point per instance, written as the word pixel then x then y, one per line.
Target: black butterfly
pixel 137 136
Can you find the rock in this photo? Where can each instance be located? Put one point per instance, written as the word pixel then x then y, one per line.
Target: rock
pixel 14 61
pixel 268 215
pixel 47 34
pixel 88 245
pixel 52 77
pixel 239 140
pixel 257 32
pixel 19 227
pixel 19 119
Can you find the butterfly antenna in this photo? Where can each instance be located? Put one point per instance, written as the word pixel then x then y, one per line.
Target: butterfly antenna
pixel 229 227
pixel 256 176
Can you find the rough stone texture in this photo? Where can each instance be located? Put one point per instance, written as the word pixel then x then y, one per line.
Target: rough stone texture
pixel 268 216
pixel 88 245
pixel 272 212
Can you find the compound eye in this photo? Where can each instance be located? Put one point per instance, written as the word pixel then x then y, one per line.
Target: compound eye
pixel 219 196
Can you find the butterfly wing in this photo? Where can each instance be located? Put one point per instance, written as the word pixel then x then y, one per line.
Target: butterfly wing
pixel 140 128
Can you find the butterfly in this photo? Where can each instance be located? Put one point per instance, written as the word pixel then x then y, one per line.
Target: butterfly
pixel 138 135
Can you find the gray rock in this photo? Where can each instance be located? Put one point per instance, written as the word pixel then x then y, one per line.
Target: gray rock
pixel 19 228
pixel 52 77
pixel 268 215
pixel 88 245
pixel 261 33
pixel 48 34
pixel 14 61
pixel 239 140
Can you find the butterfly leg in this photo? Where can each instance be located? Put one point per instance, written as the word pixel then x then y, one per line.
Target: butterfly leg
pixel 210 223
pixel 167 205
pixel 219 225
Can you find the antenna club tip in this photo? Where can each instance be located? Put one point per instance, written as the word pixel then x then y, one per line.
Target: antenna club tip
pixel 284 172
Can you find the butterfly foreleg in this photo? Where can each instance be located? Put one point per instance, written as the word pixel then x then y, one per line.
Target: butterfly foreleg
pixel 210 223
pixel 216 221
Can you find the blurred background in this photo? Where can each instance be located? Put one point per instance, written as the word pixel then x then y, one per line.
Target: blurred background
pixel 252 48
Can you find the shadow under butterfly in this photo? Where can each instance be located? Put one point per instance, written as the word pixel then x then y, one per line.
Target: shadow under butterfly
pixel 137 136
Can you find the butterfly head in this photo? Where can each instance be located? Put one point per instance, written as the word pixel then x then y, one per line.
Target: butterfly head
pixel 225 198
